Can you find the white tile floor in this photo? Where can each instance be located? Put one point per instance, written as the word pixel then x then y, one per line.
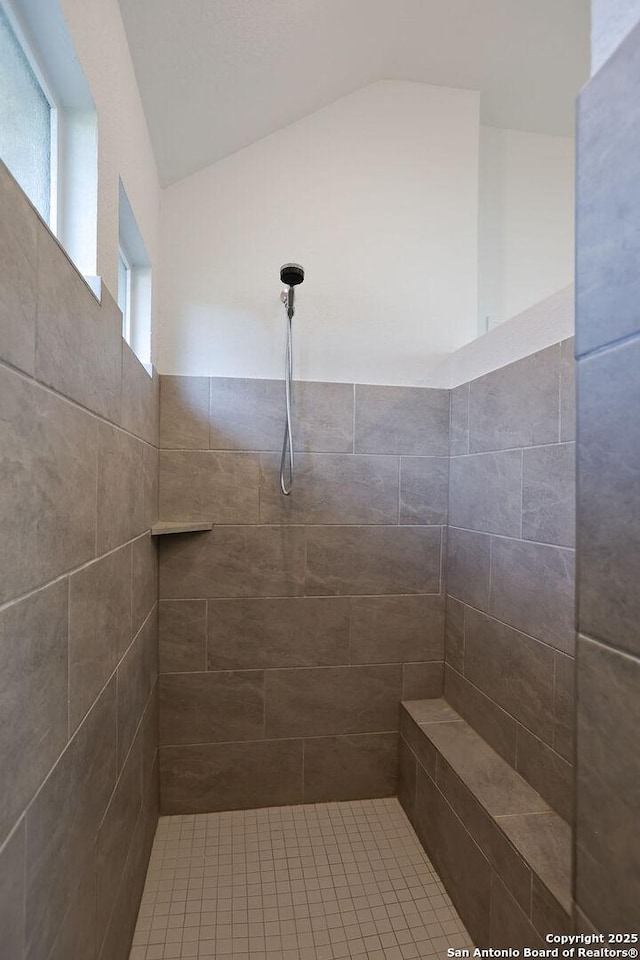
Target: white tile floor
pixel 312 882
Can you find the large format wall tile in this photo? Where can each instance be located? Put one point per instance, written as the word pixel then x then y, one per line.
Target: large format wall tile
pixel 288 632
pixel 567 390
pixel 422 681
pixel 485 492
pixel 331 700
pixel 12 894
pixel 47 485
pixel 78 340
pixel 77 934
pixel 322 416
pixel 209 485
pixel 117 942
pixel 407 774
pixel 140 398
pixel 373 560
pixel 468 570
pixel 234 561
pixel 33 696
pixel 246 414
pixel 609 495
pixel 459 421
pixel 608 202
pixel 464 869
pixel 424 489
pixel 63 821
pixel 150 479
pixel 608 787
pixel 413 421
pixel 135 678
pixel 512 669
pixel 184 412
pixel 18 282
pixel 533 589
pixel 182 636
pixel 563 736
pixel 115 837
pixel 145 578
pixel 99 627
pixel 211 707
pixel 493 723
pixel 454 634
pixel 549 494
pixel 120 487
pixel 517 405
pixel 547 772
pixel 510 926
pixel 230 776
pixel 66 583
pixel 397 629
pixel 351 767
pixel 483 827
pixel 330 489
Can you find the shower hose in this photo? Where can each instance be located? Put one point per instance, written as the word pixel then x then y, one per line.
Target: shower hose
pixel 286 461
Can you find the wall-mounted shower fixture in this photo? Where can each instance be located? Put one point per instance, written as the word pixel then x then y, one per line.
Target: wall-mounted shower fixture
pixel 292 274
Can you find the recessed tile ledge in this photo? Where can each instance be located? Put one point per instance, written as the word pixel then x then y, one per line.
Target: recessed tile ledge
pixel 493 802
pixel 164 527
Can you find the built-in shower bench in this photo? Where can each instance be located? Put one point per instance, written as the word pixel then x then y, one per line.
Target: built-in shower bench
pixel 502 852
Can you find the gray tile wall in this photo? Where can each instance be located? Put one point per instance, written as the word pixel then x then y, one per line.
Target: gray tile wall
pixel 78 606
pixel 289 633
pixel 510 637
pixel 607 840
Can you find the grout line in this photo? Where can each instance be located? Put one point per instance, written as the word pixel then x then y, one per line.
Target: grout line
pixel 293 738
pixel 359 664
pixel 504 536
pixel 522 495
pixel 353 422
pixel 73 403
pixel 69 573
pixel 491 616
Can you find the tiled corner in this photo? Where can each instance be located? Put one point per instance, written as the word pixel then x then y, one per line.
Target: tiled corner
pixel 517 405
pixel 184 412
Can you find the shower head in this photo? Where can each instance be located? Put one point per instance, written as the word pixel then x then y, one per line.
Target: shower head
pixel 291 274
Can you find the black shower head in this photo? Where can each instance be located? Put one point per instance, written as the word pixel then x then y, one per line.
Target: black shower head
pixel 291 274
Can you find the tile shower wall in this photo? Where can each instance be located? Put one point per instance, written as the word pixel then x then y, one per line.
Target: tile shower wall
pixel 607 840
pixel 78 606
pixel 289 633
pixel 510 608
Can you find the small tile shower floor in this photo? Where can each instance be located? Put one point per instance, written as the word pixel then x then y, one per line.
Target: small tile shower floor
pixel 312 882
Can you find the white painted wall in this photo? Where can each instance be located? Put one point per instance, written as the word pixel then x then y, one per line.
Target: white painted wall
pixel 611 21
pixel 526 221
pixel 124 147
pixel 377 196
pixel 542 325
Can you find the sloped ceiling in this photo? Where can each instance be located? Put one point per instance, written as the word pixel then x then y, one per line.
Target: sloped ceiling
pixel 216 75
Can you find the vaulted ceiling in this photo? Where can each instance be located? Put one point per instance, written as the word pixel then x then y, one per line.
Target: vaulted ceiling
pixel 216 75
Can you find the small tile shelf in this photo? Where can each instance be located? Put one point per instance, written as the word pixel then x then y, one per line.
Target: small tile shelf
pixel 164 527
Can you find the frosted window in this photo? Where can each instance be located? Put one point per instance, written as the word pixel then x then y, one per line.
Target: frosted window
pixel 25 121
pixel 124 295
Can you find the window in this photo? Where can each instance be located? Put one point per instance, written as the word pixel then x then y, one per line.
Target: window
pixel 48 124
pixel 124 293
pixel 27 123
pixel 134 282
